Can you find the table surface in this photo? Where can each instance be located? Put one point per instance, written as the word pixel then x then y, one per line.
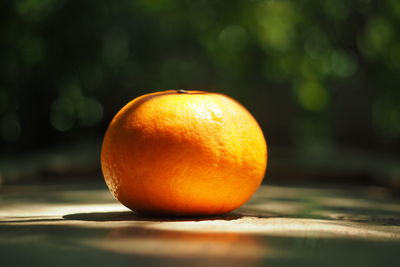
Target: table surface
pixel 66 225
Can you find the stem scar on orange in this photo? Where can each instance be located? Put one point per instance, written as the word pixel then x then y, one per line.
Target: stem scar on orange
pixel 183 153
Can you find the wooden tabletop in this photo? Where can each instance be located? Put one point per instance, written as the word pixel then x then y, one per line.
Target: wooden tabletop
pixel 82 225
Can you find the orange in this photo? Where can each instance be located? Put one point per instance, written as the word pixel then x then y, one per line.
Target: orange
pixel 183 153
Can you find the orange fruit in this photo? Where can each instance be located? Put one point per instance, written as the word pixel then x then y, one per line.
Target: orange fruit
pixel 183 153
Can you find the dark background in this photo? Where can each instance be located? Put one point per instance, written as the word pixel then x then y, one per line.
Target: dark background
pixel 321 77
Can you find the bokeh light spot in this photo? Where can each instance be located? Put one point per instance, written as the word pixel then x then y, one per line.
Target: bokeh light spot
pixel 377 35
pixel 343 64
pixel 62 116
pixel 393 7
pixel 34 10
pixel 90 111
pixel 233 36
pixel 316 43
pixel 312 96
pixel 278 20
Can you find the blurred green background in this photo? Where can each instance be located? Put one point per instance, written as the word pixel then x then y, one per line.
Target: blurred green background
pixel 321 77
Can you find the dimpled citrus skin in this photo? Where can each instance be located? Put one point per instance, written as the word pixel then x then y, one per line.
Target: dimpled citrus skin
pixel 183 154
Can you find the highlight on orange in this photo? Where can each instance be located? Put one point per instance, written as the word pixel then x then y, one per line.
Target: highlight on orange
pixel 183 153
